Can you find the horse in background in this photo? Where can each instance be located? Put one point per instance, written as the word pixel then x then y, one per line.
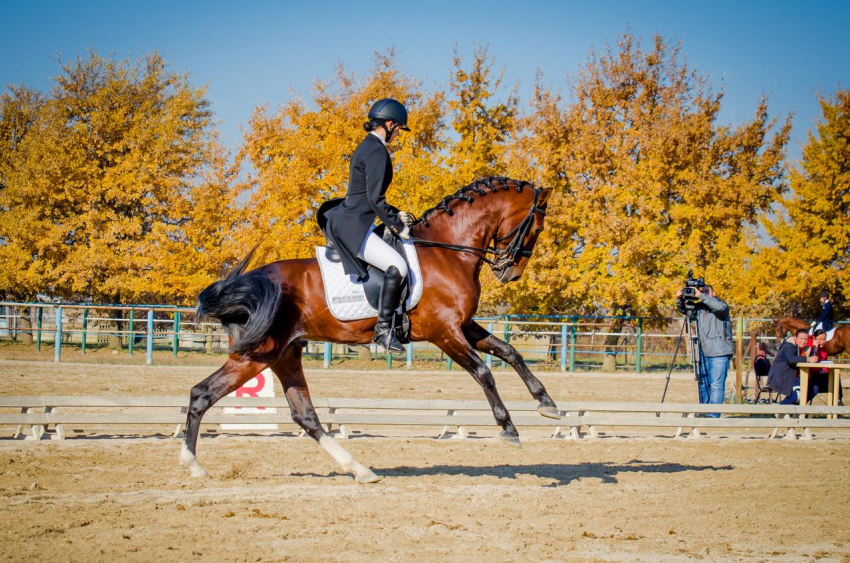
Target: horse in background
pixel 838 344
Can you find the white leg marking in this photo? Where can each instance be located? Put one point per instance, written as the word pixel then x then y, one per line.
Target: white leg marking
pixel 189 460
pixel 346 461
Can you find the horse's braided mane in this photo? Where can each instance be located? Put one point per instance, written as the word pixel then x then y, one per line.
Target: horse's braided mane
pixel 480 187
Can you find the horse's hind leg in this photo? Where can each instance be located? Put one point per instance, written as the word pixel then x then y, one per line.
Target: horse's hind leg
pixel 484 341
pixel 456 346
pixel 291 374
pixel 232 375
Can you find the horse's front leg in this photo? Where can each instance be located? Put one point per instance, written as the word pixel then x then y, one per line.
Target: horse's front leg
pixel 484 341
pixel 456 346
pixel 290 372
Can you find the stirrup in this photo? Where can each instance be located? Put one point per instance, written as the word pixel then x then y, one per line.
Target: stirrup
pixel 386 338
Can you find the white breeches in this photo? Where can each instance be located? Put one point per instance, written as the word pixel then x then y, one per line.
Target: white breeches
pixel 381 255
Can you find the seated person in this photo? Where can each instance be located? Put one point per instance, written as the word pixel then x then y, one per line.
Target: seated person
pixel 784 377
pixel 819 380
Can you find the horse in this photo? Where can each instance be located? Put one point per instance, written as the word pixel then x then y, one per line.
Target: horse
pixel 270 312
pixel 838 344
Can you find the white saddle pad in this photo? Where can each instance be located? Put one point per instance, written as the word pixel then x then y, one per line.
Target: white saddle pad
pixel 345 295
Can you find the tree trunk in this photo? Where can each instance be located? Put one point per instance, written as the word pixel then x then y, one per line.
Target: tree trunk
pixel 25 327
pixel 208 341
pixel 114 339
pixel 364 354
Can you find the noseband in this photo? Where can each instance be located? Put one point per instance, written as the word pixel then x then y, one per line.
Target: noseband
pixel 502 257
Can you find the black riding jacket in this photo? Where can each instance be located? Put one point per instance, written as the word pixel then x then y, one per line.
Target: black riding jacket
pixel 347 220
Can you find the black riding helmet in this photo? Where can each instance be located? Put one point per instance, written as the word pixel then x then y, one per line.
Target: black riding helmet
pixel 388 108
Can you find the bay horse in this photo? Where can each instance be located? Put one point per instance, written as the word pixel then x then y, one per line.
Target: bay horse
pixel 270 311
pixel 838 344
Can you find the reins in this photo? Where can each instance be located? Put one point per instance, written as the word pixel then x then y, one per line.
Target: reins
pixel 502 256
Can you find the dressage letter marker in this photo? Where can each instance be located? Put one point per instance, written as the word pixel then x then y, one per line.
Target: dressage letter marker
pixel 260 386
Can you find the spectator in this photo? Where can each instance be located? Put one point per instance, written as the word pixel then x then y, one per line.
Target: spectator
pixel 819 380
pixel 714 329
pixel 784 376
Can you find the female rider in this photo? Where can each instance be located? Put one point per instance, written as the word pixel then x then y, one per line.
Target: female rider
pixel 350 221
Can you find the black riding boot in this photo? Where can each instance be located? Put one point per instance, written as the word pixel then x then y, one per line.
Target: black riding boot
pixel 387 304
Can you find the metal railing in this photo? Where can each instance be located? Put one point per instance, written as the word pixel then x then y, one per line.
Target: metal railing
pixel 564 343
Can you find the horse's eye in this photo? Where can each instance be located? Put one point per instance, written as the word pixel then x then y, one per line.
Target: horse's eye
pixel 538 231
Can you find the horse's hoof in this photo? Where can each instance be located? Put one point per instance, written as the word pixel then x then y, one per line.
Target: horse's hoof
pixel 367 476
pixel 549 412
pixel 197 471
pixel 510 439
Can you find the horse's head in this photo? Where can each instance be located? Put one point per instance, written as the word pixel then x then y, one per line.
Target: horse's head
pixel 518 230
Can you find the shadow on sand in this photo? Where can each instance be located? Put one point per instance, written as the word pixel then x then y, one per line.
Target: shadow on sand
pixel 560 474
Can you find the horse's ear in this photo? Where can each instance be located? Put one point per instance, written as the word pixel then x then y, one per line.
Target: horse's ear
pixel 544 196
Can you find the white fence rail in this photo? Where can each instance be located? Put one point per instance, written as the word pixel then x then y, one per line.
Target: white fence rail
pixel 33 416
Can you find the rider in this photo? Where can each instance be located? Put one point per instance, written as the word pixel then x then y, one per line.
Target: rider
pixel 351 221
pixel 825 319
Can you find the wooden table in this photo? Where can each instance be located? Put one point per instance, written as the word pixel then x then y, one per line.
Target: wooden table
pixel 834 376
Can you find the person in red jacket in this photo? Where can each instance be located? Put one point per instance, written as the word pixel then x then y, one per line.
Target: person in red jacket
pixel 819 381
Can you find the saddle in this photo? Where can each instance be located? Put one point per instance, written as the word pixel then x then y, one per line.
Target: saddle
pixel 349 299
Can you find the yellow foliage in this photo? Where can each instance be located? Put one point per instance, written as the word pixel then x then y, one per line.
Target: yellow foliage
pixel 301 156
pixel 100 180
pixel 648 185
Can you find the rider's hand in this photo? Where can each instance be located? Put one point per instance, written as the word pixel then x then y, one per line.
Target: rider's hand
pixel 405 217
pixel 405 232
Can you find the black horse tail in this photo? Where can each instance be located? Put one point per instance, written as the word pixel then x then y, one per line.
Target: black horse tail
pixel 246 304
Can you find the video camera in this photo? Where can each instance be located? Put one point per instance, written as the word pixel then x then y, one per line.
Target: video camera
pixel 691 293
pixel 693 286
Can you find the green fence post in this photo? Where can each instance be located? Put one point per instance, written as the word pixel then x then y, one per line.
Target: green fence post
pixel 507 339
pixel 176 345
pixel 149 354
pixel 389 360
pixel 563 347
pixel 57 343
pixel 490 356
pixel 573 345
pixel 38 334
pixel 639 343
pixel 410 355
pixel 85 328
pixel 131 337
pixel 449 364
pixel 326 361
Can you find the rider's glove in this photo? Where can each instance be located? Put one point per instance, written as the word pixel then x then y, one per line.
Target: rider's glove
pixel 405 217
pixel 405 232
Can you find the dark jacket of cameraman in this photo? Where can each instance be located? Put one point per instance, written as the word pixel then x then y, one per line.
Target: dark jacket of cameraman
pixel 714 325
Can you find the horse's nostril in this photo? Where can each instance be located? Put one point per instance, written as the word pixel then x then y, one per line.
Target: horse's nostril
pixel 515 278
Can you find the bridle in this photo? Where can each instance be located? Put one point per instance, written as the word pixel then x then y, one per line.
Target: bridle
pixel 502 257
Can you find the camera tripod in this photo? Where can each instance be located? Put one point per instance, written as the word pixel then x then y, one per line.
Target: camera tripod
pixel 690 325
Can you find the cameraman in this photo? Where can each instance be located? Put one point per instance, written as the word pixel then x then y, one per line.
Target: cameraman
pixel 714 334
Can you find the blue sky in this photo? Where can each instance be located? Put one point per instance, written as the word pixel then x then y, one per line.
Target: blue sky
pixel 250 53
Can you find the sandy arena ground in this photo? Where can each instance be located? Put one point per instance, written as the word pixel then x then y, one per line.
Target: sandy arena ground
pixel 119 497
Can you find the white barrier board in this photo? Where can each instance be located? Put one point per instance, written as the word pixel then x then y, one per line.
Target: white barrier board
pixel 260 386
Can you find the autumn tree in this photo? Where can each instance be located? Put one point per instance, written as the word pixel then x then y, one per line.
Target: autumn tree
pixel 300 154
pixel 101 179
pixel 811 230
pixel 649 184
pixel 482 123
